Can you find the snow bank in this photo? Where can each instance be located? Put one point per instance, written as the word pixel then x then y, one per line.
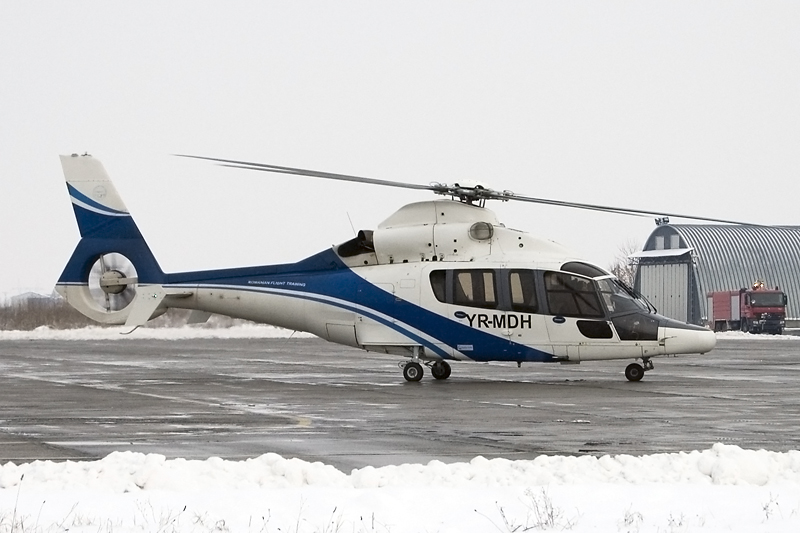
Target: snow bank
pixel 725 488
pixel 742 335
pixel 129 471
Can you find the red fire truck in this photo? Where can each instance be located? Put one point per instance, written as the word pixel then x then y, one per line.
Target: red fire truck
pixel 755 310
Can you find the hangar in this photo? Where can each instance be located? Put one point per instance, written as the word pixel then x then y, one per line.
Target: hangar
pixel 680 263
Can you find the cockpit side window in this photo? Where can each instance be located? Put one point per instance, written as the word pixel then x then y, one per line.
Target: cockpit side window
pixel 571 295
pixel 475 288
pixel 522 285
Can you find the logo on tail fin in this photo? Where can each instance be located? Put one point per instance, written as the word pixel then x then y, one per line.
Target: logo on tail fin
pixel 81 200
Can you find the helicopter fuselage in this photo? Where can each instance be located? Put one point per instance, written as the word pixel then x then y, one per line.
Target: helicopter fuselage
pixel 436 281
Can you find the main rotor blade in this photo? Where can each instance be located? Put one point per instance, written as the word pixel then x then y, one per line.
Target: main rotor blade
pixel 622 210
pixel 314 173
pixel 464 193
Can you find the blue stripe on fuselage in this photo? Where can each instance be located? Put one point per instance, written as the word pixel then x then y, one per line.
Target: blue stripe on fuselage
pixel 324 274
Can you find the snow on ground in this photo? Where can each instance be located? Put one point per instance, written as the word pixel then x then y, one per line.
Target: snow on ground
pixel 725 488
pixel 789 334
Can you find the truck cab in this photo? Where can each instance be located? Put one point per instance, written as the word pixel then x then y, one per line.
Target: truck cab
pixel 754 310
pixel 764 311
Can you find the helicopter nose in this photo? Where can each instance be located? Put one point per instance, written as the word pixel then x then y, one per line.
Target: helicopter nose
pixel 694 340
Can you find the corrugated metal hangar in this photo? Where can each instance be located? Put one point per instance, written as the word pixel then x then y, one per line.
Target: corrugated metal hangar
pixel 680 263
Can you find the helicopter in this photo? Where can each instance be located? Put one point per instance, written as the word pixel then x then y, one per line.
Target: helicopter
pixel 438 281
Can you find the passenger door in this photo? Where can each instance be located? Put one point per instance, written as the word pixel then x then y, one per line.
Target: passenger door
pixel 526 323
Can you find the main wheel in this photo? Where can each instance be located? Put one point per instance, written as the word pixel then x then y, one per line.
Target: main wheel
pixel 634 372
pixel 412 371
pixel 440 370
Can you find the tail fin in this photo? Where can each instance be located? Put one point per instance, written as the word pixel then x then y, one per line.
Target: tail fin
pixel 112 258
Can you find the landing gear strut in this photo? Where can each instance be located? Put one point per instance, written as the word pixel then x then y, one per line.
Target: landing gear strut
pixel 635 371
pixel 412 370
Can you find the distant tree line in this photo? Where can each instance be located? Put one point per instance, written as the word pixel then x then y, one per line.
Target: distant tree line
pixel 56 313
pixel 31 313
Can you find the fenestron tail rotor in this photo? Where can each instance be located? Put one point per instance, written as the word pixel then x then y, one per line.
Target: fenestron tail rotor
pixel 467 191
pixel 112 282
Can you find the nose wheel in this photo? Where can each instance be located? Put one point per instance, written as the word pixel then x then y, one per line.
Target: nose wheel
pixel 635 371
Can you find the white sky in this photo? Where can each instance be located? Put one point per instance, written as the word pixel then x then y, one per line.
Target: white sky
pixel 681 106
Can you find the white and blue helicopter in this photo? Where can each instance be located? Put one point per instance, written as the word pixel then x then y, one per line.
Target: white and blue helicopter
pixel 437 281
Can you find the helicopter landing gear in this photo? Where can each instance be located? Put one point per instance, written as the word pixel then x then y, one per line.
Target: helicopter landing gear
pixel 635 371
pixel 412 371
pixel 440 370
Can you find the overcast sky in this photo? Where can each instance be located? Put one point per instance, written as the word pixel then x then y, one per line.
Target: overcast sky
pixel 677 106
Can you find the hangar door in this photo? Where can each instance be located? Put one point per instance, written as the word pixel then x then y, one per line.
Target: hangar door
pixel 667 288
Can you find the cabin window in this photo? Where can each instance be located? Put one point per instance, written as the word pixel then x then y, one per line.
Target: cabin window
pixel 571 295
pixel 438 284
pixel 523 291
pixel 474 288
pixel 483 287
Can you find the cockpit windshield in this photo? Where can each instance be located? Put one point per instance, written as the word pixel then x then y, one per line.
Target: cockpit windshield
pixel 618 298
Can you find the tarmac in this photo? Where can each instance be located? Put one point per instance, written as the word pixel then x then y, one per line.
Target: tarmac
pixel 307 398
